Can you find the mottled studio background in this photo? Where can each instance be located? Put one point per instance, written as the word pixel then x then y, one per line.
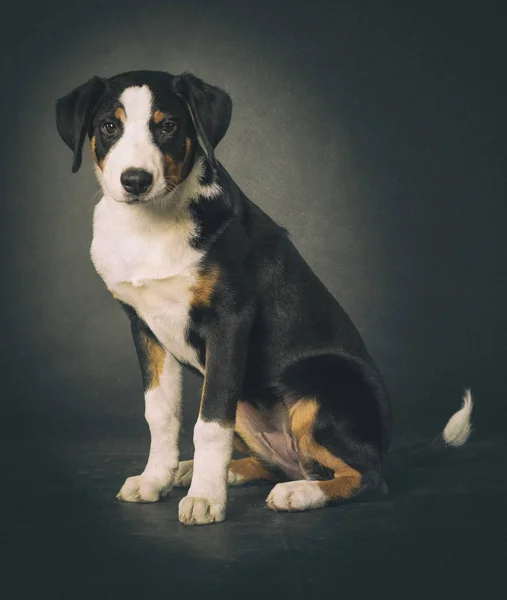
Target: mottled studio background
pixel 374 131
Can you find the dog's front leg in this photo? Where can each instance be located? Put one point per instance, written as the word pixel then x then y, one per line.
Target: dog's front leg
pixel 161 375
pixel 226 350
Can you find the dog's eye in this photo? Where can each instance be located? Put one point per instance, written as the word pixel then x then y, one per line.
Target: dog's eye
pixel 109 127
pixel 168 126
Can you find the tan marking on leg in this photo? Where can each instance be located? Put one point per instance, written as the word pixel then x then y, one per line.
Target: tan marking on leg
pixel 346 479
pixel 245 435
pixel 155 355
pixel 245 438
pixel 302 415
pixel 248 469
pixel 341 487
pixel 239 444
pixel 204 287
pixel 119 113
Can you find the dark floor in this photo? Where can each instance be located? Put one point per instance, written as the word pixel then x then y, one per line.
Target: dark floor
pixel 440 533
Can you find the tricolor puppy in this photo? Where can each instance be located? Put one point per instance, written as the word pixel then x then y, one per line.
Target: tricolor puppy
pixel 210 282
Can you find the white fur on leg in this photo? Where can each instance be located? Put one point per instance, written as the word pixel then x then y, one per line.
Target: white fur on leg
pixel 296 496
pixel 184 474
pixel 163 413
pixel 185 471
pixel 206 501
pixel 458 427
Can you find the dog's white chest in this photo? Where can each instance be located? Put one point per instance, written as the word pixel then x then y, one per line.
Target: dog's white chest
pixel 148 263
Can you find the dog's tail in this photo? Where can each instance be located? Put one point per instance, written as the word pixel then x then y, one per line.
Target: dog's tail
pixel 455 434
pixel 459 426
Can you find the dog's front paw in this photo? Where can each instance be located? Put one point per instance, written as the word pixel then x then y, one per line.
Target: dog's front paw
pixel 184 474
pixel 144 489
pixel 201 511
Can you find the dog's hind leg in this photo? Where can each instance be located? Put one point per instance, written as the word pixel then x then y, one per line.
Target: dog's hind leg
pixel 345 481
pixel 338 434
pixel 246 470
pixel 241 471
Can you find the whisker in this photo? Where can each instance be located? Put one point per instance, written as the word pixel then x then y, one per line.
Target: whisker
pixel 96 194
pixel 93 182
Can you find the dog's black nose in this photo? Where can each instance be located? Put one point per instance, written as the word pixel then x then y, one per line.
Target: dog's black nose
pixel 136 181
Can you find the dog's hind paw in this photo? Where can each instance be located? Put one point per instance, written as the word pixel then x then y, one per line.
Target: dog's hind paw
pixel 296 496
pixel 144 489
pixel 184 474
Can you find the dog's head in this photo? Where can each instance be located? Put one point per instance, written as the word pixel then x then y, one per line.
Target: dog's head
pixel 146 129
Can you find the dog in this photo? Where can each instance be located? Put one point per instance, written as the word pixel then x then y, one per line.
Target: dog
pixel 210 282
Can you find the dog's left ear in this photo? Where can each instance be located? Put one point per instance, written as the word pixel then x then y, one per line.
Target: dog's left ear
pixel 73 116
pixel 210 109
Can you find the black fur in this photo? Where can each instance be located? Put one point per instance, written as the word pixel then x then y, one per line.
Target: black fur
pixel 299 342
pixel 74 116
pixel 210 109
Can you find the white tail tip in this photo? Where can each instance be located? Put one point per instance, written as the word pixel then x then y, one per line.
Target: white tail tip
pixel 459 427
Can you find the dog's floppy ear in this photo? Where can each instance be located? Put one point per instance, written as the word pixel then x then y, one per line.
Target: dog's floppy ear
pixel 73 116
pixel 210 109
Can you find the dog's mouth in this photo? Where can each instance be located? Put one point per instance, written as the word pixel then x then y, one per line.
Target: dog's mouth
pixel 131 200
pixel 147 198
pixel 142 200
pixel 134 200
pixel 151 197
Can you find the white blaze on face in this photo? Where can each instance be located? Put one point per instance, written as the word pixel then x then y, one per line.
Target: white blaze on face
pixel 136 148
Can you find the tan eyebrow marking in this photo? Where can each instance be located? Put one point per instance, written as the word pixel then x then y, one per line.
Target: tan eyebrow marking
pixel 119 113
pixel 158 116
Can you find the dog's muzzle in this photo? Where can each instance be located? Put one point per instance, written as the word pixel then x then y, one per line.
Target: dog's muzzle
pixel 136 181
